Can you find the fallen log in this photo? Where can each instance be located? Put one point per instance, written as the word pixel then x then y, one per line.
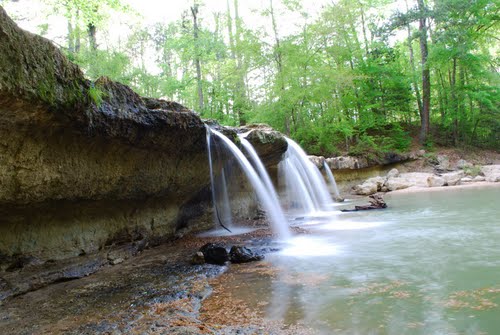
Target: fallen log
pixel 375 202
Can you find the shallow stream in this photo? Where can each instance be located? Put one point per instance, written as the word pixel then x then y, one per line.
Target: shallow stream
pixel 429 264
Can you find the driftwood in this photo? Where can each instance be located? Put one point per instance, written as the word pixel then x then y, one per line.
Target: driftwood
pixel 376 202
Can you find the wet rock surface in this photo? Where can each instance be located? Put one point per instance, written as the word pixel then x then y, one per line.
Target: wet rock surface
pixel 215 253
pixel 242 254
pixel 157 292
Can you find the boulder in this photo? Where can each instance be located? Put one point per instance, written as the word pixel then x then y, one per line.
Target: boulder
pixel 405 180
pixel 453 178
pixel 318 161
pixel 478 179
pixel 269 143
pixel 393 173
pixel 491 173
pixel 215 253
pixel 462 164
pixel 443 163
pixel 435 181
pixel 370 186
pixel 397 183
pixel 241 254
pixel 347 163
pixel 198 258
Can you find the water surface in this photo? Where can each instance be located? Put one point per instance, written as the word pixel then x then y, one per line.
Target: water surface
pixel 429 264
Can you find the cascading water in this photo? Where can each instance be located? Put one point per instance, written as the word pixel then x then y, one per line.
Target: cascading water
pixel 333 183
pixel 220 198
pixel 261 170
pixel 306 189
pixel 267 197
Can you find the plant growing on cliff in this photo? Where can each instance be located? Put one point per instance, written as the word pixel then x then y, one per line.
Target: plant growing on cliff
pixel 97 95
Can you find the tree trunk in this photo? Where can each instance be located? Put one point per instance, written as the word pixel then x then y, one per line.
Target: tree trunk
pixel 279 62
pixel 91 31
pixel 413 68
pixel 240 89
pixel 426 77
pixel 197 62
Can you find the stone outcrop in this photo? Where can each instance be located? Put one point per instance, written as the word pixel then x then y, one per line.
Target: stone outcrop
pixel 397 181
pixel 269 143
pixel 88 168
pixel 491 173
pixel 355 163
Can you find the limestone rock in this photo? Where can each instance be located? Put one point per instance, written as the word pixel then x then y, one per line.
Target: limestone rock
pixel 370 186
pixel 435 181
pixel 393 173
pixel 85 161
pixel 347 162
pixel 453 178
pixel 462 164
pixel 491 173
pixel 405 180
pixel 318 161
pixel 269 144
pixel 478 178
pixel 443 163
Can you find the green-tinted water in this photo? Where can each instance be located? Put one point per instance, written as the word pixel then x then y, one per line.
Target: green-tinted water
pixel 430 264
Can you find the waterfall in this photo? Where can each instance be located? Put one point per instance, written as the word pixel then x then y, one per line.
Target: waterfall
pixel 264 190
pixel 305 187
pixel 333 183
pixel 220 198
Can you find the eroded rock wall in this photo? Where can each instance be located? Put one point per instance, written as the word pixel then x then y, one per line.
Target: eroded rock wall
pixel 85 166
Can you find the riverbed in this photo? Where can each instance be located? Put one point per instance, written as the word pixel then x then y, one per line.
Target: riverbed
pixel 429 264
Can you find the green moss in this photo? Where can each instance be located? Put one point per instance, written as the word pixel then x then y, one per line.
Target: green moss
pixel 46 91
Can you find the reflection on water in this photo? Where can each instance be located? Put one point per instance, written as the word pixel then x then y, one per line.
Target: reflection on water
pixel 429 264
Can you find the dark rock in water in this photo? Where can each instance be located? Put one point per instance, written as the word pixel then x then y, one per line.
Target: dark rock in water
pixel 215 253
pixel 198 258
pixel 240 254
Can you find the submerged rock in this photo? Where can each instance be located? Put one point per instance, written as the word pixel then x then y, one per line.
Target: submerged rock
pixel 241 254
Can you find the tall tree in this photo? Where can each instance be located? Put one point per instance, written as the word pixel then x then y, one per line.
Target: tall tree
pixel 197 61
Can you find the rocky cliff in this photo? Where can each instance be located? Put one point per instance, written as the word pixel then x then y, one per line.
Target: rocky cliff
pixel 87 167
pixel 90 172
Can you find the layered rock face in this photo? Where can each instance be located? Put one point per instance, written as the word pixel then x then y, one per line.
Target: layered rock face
pixel 84 165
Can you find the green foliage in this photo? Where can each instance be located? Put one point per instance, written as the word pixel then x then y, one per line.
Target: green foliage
pixel 473 171
pixel 96 95
pixel 337 84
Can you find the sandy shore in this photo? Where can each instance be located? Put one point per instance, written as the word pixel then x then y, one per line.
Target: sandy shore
pixel 470 185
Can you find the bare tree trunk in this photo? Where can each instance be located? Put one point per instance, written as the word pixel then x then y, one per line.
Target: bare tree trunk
pixel 279 62
pixel 426 77
pixel 92 31
pixel 77 33
pixel 413 68
pixel 240 88
pixel 197 62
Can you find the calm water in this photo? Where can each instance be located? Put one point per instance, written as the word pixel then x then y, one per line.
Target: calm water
pixel 429 264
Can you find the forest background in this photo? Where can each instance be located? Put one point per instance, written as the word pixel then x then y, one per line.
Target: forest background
pixel 362 77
